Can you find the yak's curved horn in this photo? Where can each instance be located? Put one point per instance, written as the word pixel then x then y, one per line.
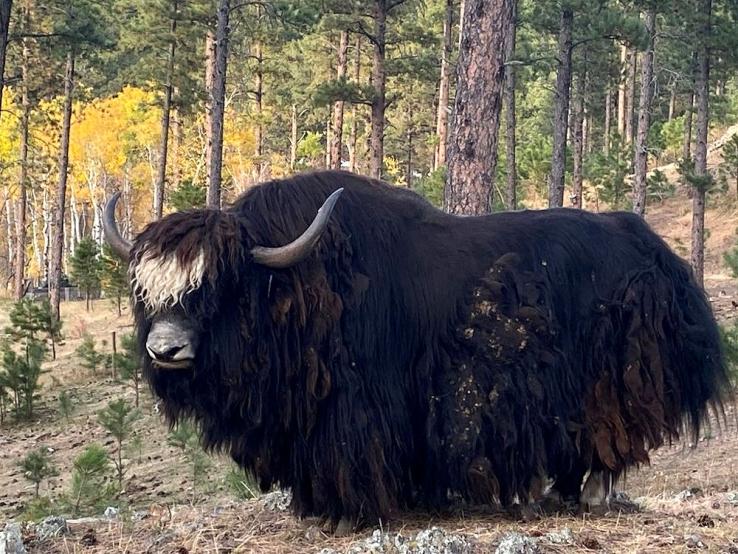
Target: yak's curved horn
pixel 120 246
pixel 288 255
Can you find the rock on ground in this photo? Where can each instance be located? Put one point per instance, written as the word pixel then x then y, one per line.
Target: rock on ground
pixel 515 543
pixel 51 527
pixel 11 539
pixel 428 541
pixel 278 501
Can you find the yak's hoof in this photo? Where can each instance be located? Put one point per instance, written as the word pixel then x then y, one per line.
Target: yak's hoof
pixel 552 504
pixel 525 512
pixel 621 502
pixel 341 528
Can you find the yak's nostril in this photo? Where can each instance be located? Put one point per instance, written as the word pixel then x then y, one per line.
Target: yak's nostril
pixel 167 354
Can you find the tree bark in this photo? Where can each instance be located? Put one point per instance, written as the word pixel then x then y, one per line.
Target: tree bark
pixel 327 158
pixel 444 85
pixel 178 135
pixel 472 147
pixel 687 141
pixel 293 137
pixel 622 96
pixel 20 218
pixel 510 122
pixel 10 231
pixel 608 122
pixel 259 97
pixel 578 140
pixel 5 7
pixel 57 212
pixel 165 117
pixel 702 94
pixel 337 135
pixel 354 137
pixel 644 118
pixel 630 90
pixel 379 84
pixel 37 250
pixel 218 103
pixel 561 111
pixel 672 103
pixel 210 50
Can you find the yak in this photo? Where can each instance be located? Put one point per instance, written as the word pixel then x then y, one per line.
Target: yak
pixel 383 355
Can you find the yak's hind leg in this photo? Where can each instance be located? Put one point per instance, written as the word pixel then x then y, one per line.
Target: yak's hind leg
pixel 599 495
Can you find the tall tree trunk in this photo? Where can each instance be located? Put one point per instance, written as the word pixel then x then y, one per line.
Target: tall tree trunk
pixel 327 158
pixel 630 91
pixel 644 118
pixel 293 137
pixel 622 93
pixel 672 103
pixel 20 219
pixel 354 137
pixel 74 227
pixel 337 135
pixel 472 147
pixel 165 117
pixel 687 141
pixel 578 140
pixel 218 103
pixel 210 51
pixel 608 122
pixel 510 122
pixel 178 134
pixel 37 250
pixel 10 231
pixel 57 211
pixel 444 85
pixel 5 7
pixel 561 111
pixel 462 18
pixel 379 84
pixel 702 94
pixel 409 153
pixel 259 97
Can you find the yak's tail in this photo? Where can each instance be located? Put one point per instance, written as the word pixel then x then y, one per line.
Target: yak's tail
pixel 697 369
pixel 664 367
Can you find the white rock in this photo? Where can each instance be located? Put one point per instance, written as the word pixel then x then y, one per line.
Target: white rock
pixel 565 536
pixel 11 539
pixel 50 527
pixel 515 543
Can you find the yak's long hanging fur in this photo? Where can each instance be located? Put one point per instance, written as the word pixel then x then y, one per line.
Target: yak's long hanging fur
pixel 415 353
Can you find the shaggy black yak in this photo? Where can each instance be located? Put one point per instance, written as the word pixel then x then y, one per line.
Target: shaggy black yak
pixel 383 355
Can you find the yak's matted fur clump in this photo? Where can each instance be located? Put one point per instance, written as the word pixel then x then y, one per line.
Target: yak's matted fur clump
pixel 416 357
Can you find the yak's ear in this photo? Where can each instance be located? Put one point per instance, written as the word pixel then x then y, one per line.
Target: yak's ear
pixel 290 254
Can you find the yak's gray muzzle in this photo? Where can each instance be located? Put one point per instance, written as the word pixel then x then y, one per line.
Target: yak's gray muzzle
pixel 171 344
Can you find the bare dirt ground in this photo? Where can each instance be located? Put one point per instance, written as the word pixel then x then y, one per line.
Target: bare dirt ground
pixel 167 515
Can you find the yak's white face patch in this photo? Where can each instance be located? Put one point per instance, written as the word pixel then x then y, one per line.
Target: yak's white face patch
pixel 161 282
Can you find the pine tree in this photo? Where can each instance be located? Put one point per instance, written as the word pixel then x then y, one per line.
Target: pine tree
pixel 184 436
pixel 118 418
pixel 86 267
pixel 37 466
pixel 113 275
pixel 128 361
pixel 90 485
pixel 472 150
pixel 91 358
pixel 730 159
